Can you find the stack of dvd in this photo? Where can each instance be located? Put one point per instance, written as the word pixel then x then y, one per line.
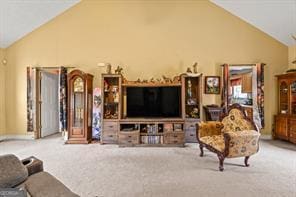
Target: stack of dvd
pixel 152 139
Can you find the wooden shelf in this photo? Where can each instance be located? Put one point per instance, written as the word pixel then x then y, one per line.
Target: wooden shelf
pixel 152 85
pixel 151 120
pixel 147 134
pixel 112 103
pixel 152 145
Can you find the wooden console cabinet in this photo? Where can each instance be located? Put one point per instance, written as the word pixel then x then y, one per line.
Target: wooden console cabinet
pixel 80 102
pixel 285 121
pixel 151 132
pixel 120 129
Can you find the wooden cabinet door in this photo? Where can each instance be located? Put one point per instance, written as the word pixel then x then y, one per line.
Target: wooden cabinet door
pixel 283 96
pixel 292 130
pixel 281 127
pixel 247 83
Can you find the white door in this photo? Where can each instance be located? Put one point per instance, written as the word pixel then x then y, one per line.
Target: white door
pixel 50 103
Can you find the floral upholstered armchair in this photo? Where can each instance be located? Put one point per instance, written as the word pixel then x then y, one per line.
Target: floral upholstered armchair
pixel 234 136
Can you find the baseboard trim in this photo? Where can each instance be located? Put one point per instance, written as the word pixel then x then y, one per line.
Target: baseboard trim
pixel 266 136
pixel 17 137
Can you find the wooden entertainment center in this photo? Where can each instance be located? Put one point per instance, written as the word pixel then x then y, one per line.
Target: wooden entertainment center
pixel 119 128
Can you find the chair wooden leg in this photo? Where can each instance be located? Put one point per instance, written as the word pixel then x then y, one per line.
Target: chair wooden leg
pixel 246 161
pixel 221 162
pixel 201 150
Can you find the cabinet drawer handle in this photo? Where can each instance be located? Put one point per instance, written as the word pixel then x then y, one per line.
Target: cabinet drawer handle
pixel 191 135
pixel 175 141
pixel 129 141
pixel 130 136
pixel 110 135
pixel 111 126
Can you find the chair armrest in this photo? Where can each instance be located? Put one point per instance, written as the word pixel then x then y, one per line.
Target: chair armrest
pixel 241 143
pixel 208 128
pixel 33 165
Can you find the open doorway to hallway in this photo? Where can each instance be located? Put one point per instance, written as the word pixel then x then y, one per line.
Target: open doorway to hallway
pixel 47 105
pixel 46 100
pixel 49 102
pixel 244 84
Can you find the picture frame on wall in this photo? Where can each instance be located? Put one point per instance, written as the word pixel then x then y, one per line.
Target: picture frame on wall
pixel 212 85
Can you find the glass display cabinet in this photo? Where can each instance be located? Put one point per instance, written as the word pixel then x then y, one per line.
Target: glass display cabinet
pixel 192 97
pixel 111 110
pixel 283 100
pixel 285 120
pixel 79 107
pixel 191 104
pixel 293 97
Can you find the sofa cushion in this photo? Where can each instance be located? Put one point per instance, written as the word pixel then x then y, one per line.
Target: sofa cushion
pixel 235 121
pixel 215 141
pixel 43 184
pixel 12 171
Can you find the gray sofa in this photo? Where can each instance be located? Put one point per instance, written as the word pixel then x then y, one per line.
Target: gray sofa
pixel 28 176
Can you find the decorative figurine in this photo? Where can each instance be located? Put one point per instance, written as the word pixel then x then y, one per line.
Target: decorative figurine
pixel 166 79
pixel 115 94
pixel 188 70
pixel 194 113
pixel 106 86
pixel 189 91
pixel 124 80
pixel 118 70
pixel 195 67
pixel 176 79
pixel 109 68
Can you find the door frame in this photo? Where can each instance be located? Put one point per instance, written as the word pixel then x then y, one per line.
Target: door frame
pixel 38 102
pixel 260 94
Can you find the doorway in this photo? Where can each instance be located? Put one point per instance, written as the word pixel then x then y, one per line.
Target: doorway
pixel 244 84
pixel 49 105
pixel 46 100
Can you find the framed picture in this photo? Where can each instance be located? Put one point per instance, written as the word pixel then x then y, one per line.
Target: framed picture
pixel 212 85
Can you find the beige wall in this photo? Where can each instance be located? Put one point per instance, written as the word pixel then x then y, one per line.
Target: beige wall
pixel 2 93
pixel 292 56
pixel 148 39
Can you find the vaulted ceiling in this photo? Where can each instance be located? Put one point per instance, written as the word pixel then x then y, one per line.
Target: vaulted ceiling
pixel 276 18
pixel 20 17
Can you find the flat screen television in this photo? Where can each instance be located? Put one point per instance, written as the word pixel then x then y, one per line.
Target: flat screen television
pixel 153 102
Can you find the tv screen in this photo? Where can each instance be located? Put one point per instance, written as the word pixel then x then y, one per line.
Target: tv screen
pixel 154 102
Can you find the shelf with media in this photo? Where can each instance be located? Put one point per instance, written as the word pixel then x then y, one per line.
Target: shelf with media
pixel 141 133
pixel 146 113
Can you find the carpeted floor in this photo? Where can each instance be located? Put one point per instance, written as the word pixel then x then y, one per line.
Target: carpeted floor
pixel 107 171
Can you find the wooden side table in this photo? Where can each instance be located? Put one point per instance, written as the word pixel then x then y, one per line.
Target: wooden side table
pixel 213 112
